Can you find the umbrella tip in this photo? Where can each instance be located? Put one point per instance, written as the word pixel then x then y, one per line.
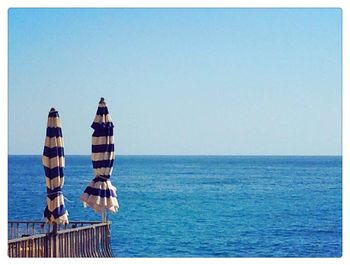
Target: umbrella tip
pixel 102 100
pixel 52 109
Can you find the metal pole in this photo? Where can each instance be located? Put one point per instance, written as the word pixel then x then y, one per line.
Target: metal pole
pixel 103 216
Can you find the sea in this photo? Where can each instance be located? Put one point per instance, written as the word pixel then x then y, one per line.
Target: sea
pixel 202 206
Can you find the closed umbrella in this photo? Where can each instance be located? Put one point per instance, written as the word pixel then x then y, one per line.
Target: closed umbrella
pixel 53 162
pixel 100 193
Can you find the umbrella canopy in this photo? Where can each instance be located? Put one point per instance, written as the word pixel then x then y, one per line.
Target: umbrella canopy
pixel 100 193
pixel 53 162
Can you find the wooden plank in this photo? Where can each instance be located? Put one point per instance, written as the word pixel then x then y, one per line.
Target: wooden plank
pixel 72 244
pixel 90 244
pixel 63 246
pixel 35 248
pixel 100 242
pixel 71 251
pixel 12 250
pixel 104 251
pixel 17 248
pixel 68 245
pixel 83 243
pixel 76 243
pixel 93 243
pixel 39 247
pixel 29 248
pixel 9 250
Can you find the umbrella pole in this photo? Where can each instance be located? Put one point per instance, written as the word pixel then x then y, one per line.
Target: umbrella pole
pixel 103 216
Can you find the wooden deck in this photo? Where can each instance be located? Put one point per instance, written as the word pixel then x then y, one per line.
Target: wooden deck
pixel 77 239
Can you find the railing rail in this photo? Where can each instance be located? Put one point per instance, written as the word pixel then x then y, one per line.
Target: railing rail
pixel 17 229
pixel 92 240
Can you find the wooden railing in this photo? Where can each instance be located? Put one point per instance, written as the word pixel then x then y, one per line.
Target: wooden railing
pixel 91 239
pixel 17 229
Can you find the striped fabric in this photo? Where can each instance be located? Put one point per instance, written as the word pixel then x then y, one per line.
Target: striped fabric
pixel 53 162
pixel 101 194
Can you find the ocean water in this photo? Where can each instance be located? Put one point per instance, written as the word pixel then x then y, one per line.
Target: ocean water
pixel 202 206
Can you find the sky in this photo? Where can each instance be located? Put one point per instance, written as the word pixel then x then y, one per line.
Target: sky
pixel 179 81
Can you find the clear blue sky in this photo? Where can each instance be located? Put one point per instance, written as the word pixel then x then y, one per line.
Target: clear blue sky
pixel 179 81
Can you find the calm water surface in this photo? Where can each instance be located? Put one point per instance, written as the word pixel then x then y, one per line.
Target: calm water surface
pixel 202 206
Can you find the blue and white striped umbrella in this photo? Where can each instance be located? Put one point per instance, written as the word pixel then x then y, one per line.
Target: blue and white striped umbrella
pixel 101 194
pixel 53 162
